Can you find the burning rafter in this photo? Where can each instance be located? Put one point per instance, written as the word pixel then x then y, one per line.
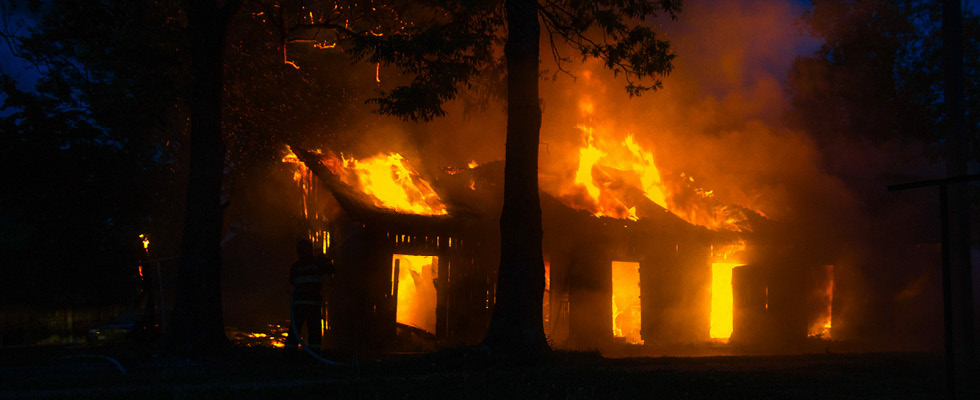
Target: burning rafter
pixel 386 181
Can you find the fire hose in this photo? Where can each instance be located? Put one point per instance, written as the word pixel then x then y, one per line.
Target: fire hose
pixel 294 330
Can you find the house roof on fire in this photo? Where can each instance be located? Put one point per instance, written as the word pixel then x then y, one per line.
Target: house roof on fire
pixel 477 193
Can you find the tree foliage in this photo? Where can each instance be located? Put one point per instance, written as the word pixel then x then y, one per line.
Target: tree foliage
pixel 78 148
pixel 448 47
pixel 877 75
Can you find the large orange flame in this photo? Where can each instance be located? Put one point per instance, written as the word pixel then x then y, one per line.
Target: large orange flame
pixel 609 166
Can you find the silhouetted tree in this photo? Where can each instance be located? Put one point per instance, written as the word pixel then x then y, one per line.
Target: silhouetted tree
pixel 445 46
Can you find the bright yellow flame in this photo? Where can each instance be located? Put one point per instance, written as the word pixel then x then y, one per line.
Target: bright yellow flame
pixel 603 202
pixel 393 184
pixel 146 242
pixel 472 164
pixel 722 300
pixel 416 302
pixel 646 167
pixel 626 309
pixel 588 157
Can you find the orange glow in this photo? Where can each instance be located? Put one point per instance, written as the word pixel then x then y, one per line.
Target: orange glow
pixel 824 322
pixel 414 277
pixel 546 298
pixel 722 297
pixel 626 309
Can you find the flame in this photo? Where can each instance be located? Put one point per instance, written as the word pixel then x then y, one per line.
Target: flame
pixel 722 296
pixel 603 199
pixel 310 193
pixel 390 182
pixel 626 309
pixel 414 277
pixel 146 252
pixel 822 325
pixel 608 167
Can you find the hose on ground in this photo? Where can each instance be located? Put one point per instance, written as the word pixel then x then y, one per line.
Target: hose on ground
pixel 293 330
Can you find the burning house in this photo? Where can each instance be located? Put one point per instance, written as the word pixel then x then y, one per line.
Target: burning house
pixel 421 273
pixel 421 270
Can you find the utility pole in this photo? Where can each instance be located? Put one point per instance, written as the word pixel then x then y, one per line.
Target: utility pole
pixel 958 316
pixel 957 155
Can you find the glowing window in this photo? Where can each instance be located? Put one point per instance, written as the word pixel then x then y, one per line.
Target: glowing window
pixel 414 277
pixel 626 301
pixel 722 300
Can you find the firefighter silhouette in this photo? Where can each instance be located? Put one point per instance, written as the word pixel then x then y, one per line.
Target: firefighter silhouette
pixel 306 276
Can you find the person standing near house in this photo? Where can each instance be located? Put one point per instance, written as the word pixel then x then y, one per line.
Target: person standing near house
pixel 306 275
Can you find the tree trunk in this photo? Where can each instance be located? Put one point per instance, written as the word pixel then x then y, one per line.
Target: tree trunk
pixel 516 328
pixel 197 326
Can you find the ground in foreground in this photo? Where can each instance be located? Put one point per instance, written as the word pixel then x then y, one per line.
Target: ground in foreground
pixel 243 373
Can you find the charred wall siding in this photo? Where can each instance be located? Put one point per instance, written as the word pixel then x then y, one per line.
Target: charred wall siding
pixel 363 303
pixel 773 304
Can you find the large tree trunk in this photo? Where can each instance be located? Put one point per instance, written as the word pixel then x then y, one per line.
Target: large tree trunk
pixel 516 328
pixel 197 326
